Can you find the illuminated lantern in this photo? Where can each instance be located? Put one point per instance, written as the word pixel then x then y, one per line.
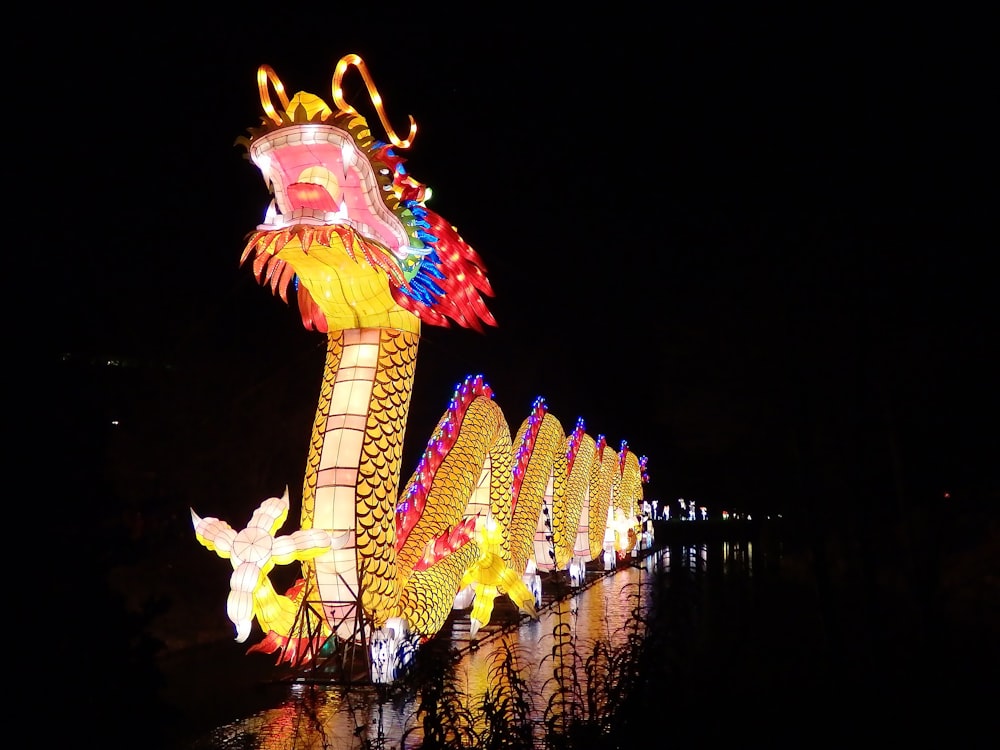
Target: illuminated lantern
pixel 253 552
pixel 349 235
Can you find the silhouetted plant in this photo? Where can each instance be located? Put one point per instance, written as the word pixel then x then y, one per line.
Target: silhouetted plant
pixel 563 709
pixel 507 707
pixel 443 714
pixel 312 703
pixel 600 695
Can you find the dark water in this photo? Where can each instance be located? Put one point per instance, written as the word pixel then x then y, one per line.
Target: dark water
pixel 608 610
pixel 766 644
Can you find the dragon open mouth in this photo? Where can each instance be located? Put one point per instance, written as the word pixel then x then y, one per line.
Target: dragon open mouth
pixel 319 178
pixel 348 227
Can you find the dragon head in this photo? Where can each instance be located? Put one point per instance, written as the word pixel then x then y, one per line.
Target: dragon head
pixel 347 227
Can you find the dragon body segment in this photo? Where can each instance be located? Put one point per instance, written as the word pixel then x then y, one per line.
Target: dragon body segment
pixel 348 231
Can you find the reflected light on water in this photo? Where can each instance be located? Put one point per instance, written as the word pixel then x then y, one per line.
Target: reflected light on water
pixel 737 557
pixel 323 716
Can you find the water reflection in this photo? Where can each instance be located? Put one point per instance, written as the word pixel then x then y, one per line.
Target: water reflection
pixel 541 651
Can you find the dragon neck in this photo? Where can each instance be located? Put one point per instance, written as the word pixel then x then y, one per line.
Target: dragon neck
pixel 355 453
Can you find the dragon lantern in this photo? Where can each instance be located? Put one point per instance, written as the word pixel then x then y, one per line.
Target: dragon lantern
pixel 349 233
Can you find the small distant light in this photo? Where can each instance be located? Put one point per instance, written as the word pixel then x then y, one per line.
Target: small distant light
pixel 114 422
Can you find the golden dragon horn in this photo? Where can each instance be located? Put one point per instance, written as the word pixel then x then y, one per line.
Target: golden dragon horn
pixel 338 98
pixel 265 74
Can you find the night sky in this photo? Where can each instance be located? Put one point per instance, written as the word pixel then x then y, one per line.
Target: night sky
pixel 753 246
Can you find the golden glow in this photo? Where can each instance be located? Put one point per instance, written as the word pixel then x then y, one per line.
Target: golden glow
pixel 264 74
pixel 338 98
pixel 395 559
pixel 321 176
pixel 349 291
pixel 253 552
